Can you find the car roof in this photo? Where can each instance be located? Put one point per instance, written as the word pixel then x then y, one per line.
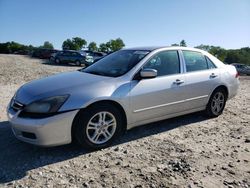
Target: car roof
pixel 152 48
pixel 70 51
pixel 146 48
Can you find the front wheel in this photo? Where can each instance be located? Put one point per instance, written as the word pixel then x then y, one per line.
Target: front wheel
pixel 216 103
pixel 97 126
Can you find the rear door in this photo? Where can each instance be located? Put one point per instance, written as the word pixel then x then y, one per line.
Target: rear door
pixel 74 57
pixel 65 57
pixel 201 77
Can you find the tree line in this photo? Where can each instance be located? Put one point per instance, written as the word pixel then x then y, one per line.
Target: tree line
pixel 76 43
pixel 241 55
pixel 230 56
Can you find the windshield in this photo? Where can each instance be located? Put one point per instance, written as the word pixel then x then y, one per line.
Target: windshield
pixel 117 63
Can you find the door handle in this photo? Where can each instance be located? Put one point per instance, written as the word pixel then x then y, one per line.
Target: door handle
pixel 213 75
pixel 178 82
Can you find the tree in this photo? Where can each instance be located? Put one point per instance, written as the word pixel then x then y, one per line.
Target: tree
pixel 47 45
pixel 219 52
pixel 183 43
pixel 92 46
pixel 79 43
pixel 76 43
pixel 103 48
pixel 174 44
pixel 116 44
pixel 4 48
pixel 68 45
pixel 232 57
pixel 112 45
pixel 204 47
pixel 108 45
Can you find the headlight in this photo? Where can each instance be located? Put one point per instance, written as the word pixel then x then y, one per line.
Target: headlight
pixel 48 105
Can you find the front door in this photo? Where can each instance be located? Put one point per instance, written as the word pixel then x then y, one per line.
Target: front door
pixel 156 97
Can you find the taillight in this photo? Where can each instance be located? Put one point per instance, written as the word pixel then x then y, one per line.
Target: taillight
pixel 237 74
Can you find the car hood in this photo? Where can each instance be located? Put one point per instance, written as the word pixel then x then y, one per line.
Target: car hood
pixel 59 84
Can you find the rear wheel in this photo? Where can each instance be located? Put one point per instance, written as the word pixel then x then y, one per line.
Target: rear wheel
pixel 216 103
pixel 78 63
pixel 57 60
pixel 97 126
pixel 51 59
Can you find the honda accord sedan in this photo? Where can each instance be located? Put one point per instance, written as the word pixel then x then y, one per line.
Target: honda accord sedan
pixel 125 89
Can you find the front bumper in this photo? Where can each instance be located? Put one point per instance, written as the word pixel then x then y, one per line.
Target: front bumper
pixel 51 131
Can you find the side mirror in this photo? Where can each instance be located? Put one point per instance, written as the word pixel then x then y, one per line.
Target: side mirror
pixel 148 73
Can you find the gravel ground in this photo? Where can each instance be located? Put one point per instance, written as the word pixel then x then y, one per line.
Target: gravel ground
pixel 189 151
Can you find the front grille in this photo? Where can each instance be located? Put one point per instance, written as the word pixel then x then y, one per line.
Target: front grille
pixel 15 105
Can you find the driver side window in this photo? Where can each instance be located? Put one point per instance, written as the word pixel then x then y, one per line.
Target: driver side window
pixel 166 63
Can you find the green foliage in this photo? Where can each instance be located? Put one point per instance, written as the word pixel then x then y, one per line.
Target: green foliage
pixel 174 44
pixel 79 42
pixel 112 45
pixel 116 44
pixel 103 48
pixel 183 43
pixel 241 56
pixel 76 43
pixel 14 47
pixel 218 52
pixel 204 47
pixel 67 45
pixel 92 46
pixel 47 45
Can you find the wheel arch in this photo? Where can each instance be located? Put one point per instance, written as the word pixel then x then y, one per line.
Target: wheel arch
pixel 104 101
pixel 221 87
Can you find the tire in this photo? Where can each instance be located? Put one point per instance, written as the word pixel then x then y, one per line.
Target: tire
pixel 78 63
pixel 216 103
pixel 51 59
pixel 91 133
pixel 57 61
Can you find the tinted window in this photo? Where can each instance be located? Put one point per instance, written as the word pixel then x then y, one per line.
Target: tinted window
pixel 194 61
pixel 98 54
pixel 210 64
pixel 74 54
pixel 66 53
pixel 166 63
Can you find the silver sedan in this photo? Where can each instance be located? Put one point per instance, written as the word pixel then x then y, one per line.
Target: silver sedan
pixel 125 89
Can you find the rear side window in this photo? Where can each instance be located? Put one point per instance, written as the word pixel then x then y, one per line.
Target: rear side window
pixel 210 64
pixel 195 61
pixel 74 54
pixel 66 53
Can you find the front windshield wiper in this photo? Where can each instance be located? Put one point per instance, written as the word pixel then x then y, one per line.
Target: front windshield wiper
pixel 95 72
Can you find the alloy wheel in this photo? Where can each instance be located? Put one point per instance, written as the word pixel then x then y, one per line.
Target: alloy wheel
pixel 101 127
pixel 217 103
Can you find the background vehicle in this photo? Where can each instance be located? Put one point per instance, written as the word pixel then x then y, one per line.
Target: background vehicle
pixel 97 55
pixel 70 56
pixel 242 69
pixel 43 53
pixel 91 56
pixel 125 89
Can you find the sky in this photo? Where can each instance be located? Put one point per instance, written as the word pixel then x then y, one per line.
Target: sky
pixel 224 23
